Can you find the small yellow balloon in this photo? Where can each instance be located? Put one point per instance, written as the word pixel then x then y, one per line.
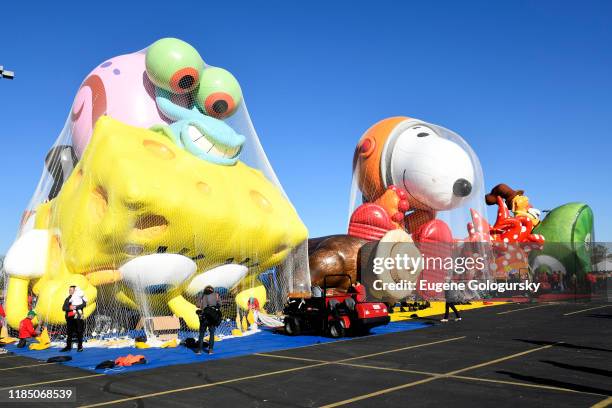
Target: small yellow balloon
pixel 251 317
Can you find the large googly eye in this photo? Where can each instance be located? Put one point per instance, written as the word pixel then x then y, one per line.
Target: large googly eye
pixel 174 65
pixel 219 94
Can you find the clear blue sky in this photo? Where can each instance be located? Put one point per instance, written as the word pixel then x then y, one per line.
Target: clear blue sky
pixel 527 83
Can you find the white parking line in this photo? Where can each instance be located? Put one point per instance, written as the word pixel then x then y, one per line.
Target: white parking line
pixel 266 374
pixel 11 356
pixel 525 308
pixel 585 310
pixel 25 366
pixel 51 381
pixel 429 379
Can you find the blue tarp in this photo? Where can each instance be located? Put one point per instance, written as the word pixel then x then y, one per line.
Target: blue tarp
pixel 264 341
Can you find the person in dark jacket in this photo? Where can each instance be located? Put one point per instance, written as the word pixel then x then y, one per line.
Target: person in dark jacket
pixel 452 297
pixel 210 317
pixel 75 325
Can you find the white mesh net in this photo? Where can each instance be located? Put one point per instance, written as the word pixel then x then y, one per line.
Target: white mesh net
pixel 156 187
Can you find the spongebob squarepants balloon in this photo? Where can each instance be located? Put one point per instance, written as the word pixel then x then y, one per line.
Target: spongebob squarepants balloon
pixel 156 188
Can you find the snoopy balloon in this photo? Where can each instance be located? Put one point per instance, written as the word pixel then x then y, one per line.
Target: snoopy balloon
pixel 419 183
pixel 410 173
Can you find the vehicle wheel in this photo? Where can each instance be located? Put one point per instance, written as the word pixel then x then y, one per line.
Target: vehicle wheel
pixel 336 329
pixel 292 326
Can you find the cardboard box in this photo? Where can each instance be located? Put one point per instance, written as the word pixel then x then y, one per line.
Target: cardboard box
pixel 164 327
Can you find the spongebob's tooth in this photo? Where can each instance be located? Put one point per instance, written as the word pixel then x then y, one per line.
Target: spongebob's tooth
pixel 216 151
pixel 194 133
pixel 199 138
pixel 231 152
pixel 206 144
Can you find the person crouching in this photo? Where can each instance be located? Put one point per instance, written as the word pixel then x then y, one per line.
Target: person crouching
pixel 27 330
pixel 75 325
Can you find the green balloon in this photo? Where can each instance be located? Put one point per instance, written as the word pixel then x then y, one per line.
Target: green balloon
pixel 219 93
pixel 543 269
pixel 568 231
pixel 174 65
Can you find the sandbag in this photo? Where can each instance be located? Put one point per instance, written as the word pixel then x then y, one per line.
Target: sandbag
pixel 105 364
pixel 44 338
pixel 59 359
pixel 44 341
pixel 170 344
pixel 5 338
pixel 39 346
pixel 141 345
pixel 190 343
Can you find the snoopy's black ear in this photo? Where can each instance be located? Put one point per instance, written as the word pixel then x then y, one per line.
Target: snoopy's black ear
pixel 59 162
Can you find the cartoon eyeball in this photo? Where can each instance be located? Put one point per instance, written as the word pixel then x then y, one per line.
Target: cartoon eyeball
pixel 174 65
pixel 219 94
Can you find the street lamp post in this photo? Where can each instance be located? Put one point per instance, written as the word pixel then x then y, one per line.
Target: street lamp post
pixel 6 74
